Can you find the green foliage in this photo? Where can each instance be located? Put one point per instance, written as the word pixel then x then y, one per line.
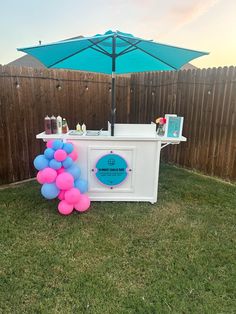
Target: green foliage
pixel 177 256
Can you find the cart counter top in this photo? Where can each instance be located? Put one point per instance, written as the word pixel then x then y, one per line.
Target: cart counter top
pixel 104 136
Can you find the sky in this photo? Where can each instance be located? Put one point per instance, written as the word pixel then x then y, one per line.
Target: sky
pixel 205 25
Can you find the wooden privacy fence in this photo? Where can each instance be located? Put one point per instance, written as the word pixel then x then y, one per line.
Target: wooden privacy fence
pixel 206 99
pixel 27 95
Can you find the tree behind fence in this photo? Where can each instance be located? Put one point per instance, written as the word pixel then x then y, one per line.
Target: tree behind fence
pixel 205 98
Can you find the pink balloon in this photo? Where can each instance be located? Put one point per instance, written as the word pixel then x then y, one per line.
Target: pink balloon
pixel 65 181
pixel 61 170
pixel 83 203
pixel 64 208
pixel 73 155
pixel 61 195
pixel 49 175
pixel 49 144
pixel 60 155
pixel 72 196
pixel 40 177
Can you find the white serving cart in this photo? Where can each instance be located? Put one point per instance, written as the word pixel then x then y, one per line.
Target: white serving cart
pixel 123 167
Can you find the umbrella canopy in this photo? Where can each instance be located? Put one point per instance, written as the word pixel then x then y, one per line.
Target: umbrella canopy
pixel 112 53
pixel 94 54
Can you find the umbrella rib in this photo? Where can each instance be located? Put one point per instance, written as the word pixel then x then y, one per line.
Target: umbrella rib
pixel 124 52
pixel 148 53
pixel 75 53
pixel 101 49
pixel 128 49
pixel 107 54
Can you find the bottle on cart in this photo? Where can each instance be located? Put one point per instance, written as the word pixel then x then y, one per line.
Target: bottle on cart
pixel 59 124
pixel 83 128
pixel 64 126
pixel 54 124
pixel 78 127
pixel 47 125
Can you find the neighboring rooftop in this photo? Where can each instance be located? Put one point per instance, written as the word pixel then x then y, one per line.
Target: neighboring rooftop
pixel 27 61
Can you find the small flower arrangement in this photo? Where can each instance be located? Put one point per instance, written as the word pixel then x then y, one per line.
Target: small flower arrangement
pixel 161 126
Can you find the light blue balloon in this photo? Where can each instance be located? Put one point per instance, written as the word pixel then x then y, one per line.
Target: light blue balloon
pixel 57 144
pixel 68 162
pixel 50 190
pixel 82 185
pixel 68 147
pixel 49 153
pixel 40 162
pixel 54 164
pixel 74 171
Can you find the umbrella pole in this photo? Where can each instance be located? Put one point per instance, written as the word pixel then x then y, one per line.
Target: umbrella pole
pixel 113 86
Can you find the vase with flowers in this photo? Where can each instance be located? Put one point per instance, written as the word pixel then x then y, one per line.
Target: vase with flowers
pixel 161 122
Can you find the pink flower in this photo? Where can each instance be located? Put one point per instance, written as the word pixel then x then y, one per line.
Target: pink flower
pixel 162 121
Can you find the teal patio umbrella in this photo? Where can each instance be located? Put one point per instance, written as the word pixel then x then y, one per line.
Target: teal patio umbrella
pixel 112 53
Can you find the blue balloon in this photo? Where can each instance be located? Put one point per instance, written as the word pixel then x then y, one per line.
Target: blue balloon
pixel 74 171
pixel 40 162
pixel 68 147
pixel 50 190
pixel 68 162
pixel 54 164
pixel 82 185
pixel 57 144
pixel 49 153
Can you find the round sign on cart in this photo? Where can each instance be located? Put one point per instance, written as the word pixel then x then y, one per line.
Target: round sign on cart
pixel 111 170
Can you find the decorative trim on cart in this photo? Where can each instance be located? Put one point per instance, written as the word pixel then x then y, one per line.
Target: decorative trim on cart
pixel 111 170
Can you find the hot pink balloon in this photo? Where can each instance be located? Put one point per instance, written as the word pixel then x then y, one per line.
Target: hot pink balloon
pixel 83 203
pixel 72 196
pixel 49 144
pixel 64 208
pixel 61 195
pixel 61 170
pixel 40 177
pixel 60 155
pixel 65 181
pixel 49 175
pixel 73 155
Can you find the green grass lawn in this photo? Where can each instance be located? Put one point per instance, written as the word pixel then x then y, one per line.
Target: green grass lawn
pixel 177 256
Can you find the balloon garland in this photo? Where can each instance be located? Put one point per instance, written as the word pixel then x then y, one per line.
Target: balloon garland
pixel 60 177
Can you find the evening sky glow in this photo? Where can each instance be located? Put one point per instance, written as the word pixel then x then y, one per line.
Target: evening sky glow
pixel 205 25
